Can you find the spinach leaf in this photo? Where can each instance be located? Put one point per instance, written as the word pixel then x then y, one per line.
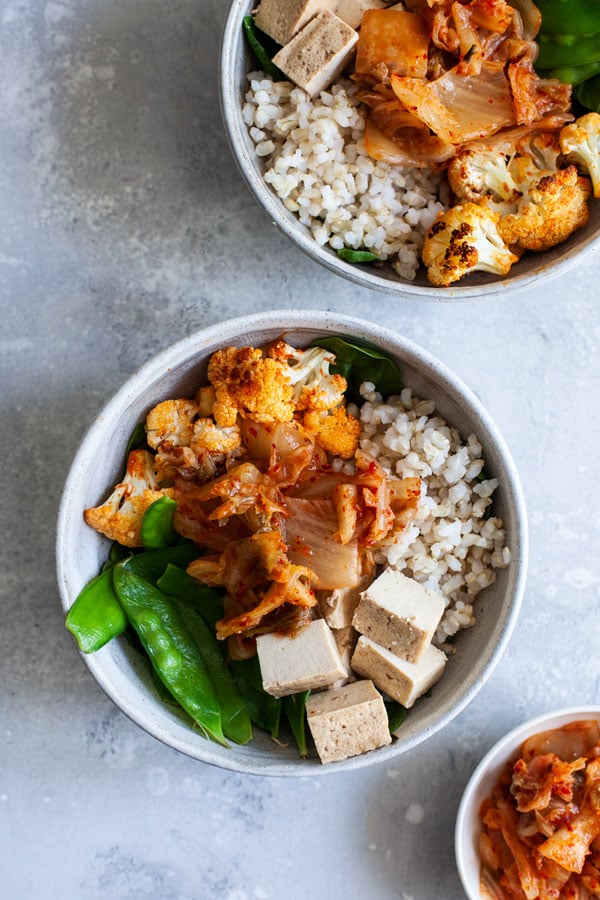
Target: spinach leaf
pixel 357 256
pixel 263 48
pixel 137 441
pixel 358 363
pixel 396 715
pixel 588 93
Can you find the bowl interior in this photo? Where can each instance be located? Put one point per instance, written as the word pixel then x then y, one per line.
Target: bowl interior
pixel 236 62
pixel 468 824
pixel 177 372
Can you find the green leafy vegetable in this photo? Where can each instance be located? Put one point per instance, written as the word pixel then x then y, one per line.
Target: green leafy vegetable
pixel 588 93
pixel 294 708
pixel 137 440
pixel 263 48
pixel 358 363
pixel 265 710
pixel 396 715
pixel 357 256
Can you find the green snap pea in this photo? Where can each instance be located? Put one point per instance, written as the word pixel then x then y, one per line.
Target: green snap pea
pixel 558 50
pixel 264 710
pixel 573 74
pixel 157 524
pixel 171 648
pixel 570 16
pixel 234 715
pixel 294 708
pixel 151 564
pixel 207 601
pixel 96 615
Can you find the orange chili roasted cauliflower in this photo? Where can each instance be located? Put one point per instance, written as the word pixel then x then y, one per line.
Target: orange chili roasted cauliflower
pixel 120 517
pixel 250 385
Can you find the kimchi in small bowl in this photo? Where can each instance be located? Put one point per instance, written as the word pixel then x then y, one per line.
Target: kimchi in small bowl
pixel 529 819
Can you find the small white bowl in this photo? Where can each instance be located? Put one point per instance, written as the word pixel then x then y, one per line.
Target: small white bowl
pixel 178 371
pixel 534 268
pixel 481 783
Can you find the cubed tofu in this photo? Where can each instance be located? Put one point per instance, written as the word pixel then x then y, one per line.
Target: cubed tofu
pixel 399 679
pixel 282 19
pixel 347 721
pixel 339 606
pixel 307 661
pixel 399 614
pixel 317 55
pixel 345 641
pixel 352 11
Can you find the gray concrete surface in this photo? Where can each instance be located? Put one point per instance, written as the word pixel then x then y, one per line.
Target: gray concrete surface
pixel 124 226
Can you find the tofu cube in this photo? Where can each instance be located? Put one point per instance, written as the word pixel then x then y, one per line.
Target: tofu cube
pixel 282 19
pixel 307 661
pixel 399 614
pixel 401 680
pixel 338 607
pixel 345 641
pixel 352 11
pixel 347 721
pixel 317 54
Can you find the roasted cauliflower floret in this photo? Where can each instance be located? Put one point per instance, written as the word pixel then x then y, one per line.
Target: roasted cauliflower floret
pixel 120 517
pixel 462 240
pixel 215 438
pixel 315 387
pixel 336 430
pixel 248 384
pixel 474 174
pixel 173 421
pixel 580 143
pixel 551 210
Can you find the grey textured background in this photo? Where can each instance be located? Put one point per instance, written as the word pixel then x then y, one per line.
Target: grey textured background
pixel 124 226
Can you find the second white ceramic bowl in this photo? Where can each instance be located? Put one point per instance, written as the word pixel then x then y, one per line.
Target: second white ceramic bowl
pixel 534 269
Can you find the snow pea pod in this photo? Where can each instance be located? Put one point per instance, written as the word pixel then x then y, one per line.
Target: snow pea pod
pixel 205 600
pixel 573 74
pixel 151 564
pixel 567 49
pixel 171 648
pixel 294 708
pixel 234 715
pixel 96 616
pixel 157 524
pixel 570 16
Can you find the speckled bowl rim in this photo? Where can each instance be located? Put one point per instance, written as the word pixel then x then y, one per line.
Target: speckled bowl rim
pixel 479 786
pixel 364 276
pixel 223 333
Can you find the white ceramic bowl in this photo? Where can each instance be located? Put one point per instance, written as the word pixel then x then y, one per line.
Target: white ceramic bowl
pixel 177 371
pixel 533 268
pixel 481 783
